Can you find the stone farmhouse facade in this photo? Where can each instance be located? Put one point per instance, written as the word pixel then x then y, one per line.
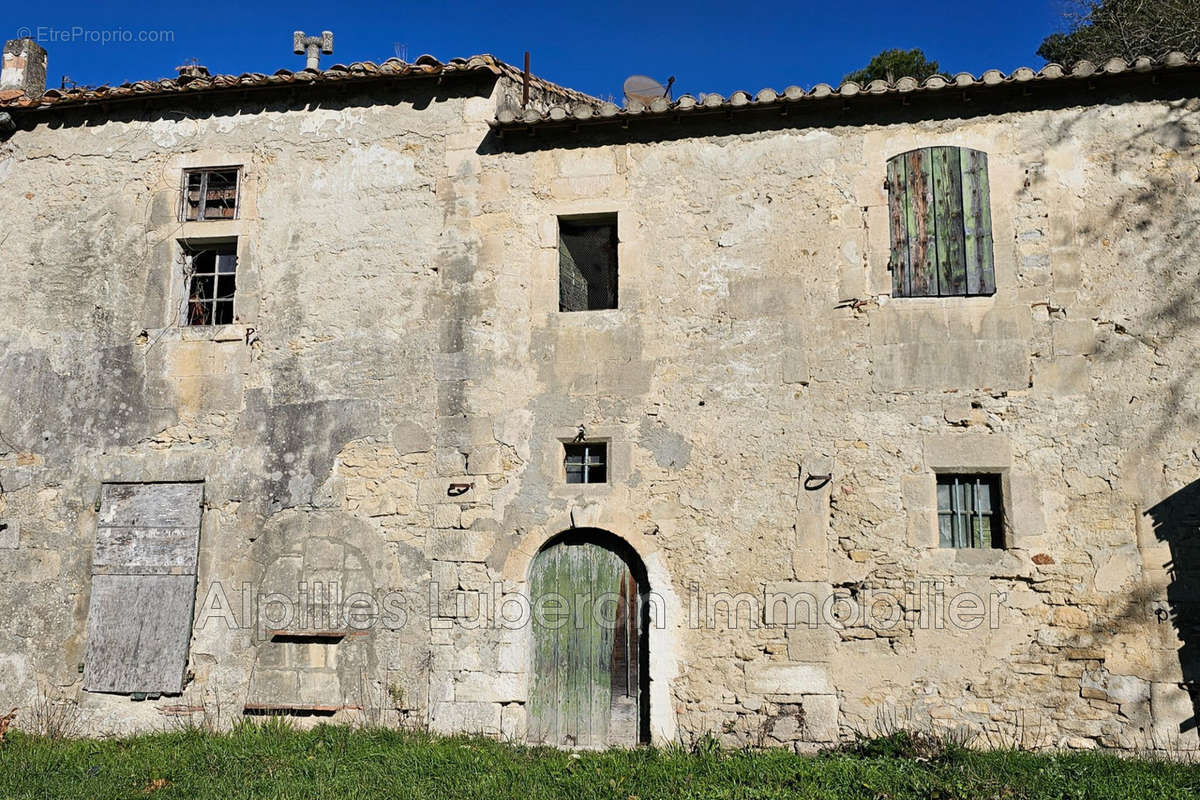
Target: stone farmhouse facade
pixel 439 395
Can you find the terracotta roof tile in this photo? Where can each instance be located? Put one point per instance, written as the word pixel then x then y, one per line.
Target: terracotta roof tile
pixel 575 106
pixel 599 112
pixel 364 71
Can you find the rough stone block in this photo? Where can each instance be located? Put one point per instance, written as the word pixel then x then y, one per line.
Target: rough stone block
pixel 271 656
pixel 450 461
pixel 1074 337
pixel 1065 637
pixel 810 564
pixel 795 603
pixel 1062 376
pixel 320 687
pixel 786 727
pixel 943 364
pixel 788 679
pixel 452 544
pixel 10 534
pixel 1026 516
pixel 1127 689
pixel 820 718
pixel 274 687
pixel 513 722
pixel 1071 617
pixel 1171 705
pixel 957 410
pixel 465 717
pixel 511 656
pixel 444 586
pixel 795 364
pixel 489 687
pixel 966 452
pixel 811 644
pixel 1115 567
pixel 583 163
pixel 323 554
pixel 408 437
pixel 441 686
pixel 1067 268
pixel 447 515
pixel 486 459
pixel 812 529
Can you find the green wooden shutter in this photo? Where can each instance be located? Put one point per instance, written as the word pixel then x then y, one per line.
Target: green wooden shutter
pixel 919 213
pixel 941 226
pixel 948 220
pixel 897 195
pixel 977 218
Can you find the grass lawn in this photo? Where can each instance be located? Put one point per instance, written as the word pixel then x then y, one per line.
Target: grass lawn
pixel 275 761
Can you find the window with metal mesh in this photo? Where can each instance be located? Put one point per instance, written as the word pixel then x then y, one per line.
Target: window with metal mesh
pixel 212 282
pixel 970 511
pixel 586 462
pixel 210 194
pixel 587 263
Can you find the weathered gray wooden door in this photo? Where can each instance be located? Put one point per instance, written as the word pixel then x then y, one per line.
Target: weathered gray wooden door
pixel 143 587
pixel 587 630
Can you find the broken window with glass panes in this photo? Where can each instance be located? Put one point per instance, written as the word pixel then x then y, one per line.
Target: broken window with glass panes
pixel 211 283
pixel 210 194
pixel 969 511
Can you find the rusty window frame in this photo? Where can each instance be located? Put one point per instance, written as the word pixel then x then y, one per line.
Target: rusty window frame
pixel 202 193
pixel 210 286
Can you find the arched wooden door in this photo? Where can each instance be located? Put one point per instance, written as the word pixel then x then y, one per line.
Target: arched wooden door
pixel 588 686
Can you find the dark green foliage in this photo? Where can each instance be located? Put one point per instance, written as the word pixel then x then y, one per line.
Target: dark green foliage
pixel 903 744
pixel 272 760
pixel 891 65
pixel 1102 29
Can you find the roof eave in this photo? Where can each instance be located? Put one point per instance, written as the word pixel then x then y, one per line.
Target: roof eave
pixel 253 83
pixel 1050 80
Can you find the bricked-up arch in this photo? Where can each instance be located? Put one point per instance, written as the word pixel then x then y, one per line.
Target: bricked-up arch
pixel 589 685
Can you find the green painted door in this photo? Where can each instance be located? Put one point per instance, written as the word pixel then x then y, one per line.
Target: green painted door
pixel 587 643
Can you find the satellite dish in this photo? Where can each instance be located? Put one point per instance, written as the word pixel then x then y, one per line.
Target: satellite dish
pixel 645 90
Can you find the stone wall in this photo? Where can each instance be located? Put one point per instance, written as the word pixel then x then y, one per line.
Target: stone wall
pixel 398 333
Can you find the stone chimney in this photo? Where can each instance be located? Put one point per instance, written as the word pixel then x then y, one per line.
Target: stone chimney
pixel 24 67
pixel 311 47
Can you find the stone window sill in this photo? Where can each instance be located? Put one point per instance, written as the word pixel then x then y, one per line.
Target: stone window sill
pixel 990 563
pixel 979 555
pixel 934 300
pixel 238 332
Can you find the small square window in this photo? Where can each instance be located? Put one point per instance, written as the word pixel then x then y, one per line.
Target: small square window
pixel 210 194
pixel 587 263
pixel 211 284
pixel 586 462
pixel 970 511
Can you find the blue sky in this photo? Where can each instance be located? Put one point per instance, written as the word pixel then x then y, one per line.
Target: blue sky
pixel 708 46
